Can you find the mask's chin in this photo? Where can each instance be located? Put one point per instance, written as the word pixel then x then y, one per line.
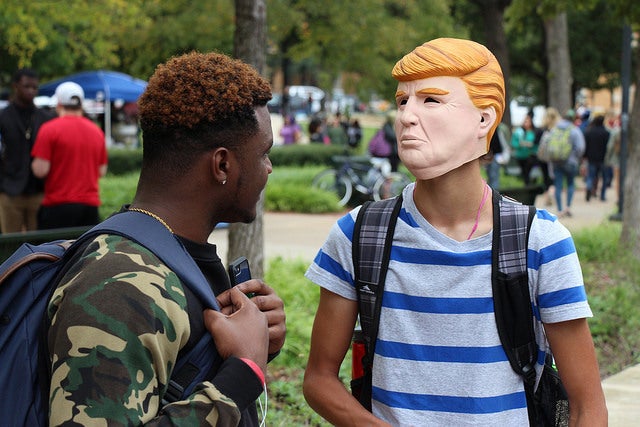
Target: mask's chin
pixel 440 169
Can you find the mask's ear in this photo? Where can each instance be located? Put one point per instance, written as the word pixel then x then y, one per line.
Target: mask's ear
pixel 487 120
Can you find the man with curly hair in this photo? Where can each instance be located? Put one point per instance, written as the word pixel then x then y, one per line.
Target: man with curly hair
pixel 120 317
pixel 438 358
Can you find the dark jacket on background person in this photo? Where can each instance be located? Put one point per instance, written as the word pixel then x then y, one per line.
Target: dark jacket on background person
pixel 18 130
pixel 596 138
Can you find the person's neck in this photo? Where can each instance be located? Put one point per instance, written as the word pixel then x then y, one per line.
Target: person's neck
pixel 456 203
pixel 65 112
pixel 178 213
pixel 24 105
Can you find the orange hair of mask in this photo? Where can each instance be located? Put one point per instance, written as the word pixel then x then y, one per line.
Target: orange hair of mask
pixel 473 63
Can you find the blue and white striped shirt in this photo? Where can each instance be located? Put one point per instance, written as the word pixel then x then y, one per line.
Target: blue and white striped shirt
pixel 438 358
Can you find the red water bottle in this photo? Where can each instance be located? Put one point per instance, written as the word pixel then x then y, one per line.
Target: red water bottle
pixel 357 353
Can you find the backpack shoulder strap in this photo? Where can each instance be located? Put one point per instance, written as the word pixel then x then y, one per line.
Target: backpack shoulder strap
pixel 510 283
pixel 154 236
pixel 371 247
pixel 194 365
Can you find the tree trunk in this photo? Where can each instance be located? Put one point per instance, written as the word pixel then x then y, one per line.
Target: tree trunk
pixel 560 75
pixel 631 207
pixel 249 44
pixel 496 42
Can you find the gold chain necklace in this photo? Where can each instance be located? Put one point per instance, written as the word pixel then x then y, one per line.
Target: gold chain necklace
pixel 154 216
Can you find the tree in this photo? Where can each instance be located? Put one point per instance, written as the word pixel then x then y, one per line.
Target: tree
pixel 628 12
pixel 631 212
pixel 176 27
pixel 58 38
pixel 250 46
pixel 560 77
pixel 363 38
pixel 493 35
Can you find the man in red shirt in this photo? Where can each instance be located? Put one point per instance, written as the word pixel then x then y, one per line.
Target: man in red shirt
pixel 70 153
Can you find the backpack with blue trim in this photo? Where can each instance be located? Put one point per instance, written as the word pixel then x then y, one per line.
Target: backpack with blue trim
pixel 372 240
pixel 27 281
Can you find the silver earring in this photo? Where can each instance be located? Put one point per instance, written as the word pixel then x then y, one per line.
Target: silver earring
pixel 224 182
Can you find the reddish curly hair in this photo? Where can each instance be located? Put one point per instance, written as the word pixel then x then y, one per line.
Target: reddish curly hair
pixel 197 102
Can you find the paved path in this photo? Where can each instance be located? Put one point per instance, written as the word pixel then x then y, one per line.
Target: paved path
pixel 299 236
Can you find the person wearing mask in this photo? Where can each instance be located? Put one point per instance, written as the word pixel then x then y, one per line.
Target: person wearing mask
pixel 438 357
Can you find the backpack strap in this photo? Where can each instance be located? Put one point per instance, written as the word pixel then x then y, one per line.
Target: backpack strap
pixel 154 236
pixel 510 284
pixel 371 247
pixel 196 364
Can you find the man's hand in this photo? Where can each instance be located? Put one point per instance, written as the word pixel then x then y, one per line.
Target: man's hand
pixel 243 333
pixel 268 302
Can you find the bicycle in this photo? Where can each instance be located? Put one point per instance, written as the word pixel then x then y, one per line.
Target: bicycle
pixel 369 176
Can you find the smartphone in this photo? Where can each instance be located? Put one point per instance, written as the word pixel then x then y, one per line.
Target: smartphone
pixel 239 272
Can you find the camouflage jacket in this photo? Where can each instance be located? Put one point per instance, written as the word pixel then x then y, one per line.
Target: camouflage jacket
pixel 119 317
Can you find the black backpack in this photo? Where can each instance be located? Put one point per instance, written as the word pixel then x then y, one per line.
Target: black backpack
pixel 372 240
pixel 27 280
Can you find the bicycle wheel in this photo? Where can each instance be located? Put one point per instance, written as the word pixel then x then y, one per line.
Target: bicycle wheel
pixel 389 186
pixel 330 180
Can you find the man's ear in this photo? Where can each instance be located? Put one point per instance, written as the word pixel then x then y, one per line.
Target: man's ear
pixel 488 118
pixel 220 164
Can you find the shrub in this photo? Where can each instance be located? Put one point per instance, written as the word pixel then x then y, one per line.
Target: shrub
pixel 304 154
pixel 117 190
pixel 611 280
pixel 122 161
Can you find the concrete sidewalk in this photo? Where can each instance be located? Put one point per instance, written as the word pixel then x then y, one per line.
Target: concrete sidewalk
pixel 299 236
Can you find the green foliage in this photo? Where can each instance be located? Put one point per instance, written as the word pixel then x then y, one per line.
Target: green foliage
pixel 326 35
pixel 115 191
pixel 295 198
pixel 176 27
pixel 599 244
pixel 612 280
pixel 300 298
pixel 59 38
pixel 289 190
pixel 304 154
pixel 124 161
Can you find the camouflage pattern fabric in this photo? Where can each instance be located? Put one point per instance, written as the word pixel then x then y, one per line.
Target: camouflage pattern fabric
pixel 118 321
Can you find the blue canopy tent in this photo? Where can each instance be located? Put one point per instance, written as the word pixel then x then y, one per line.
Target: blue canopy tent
pixel 104 86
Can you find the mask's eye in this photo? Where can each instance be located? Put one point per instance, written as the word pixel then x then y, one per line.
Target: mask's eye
pixel 402 101
pixel 430 99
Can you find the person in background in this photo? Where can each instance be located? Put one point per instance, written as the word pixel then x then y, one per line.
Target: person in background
pixel 21 192
pixel 550 119
pixel 336 131
pixel 384 144
pixel 498 155
pixel 71 155
pixel 290 131
pixel 438 357
pixel 120 318
pixel 596 138
pixel 523 148
pixel 567 170
pixel 612 158
pixel 317 132
pixel 354 134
